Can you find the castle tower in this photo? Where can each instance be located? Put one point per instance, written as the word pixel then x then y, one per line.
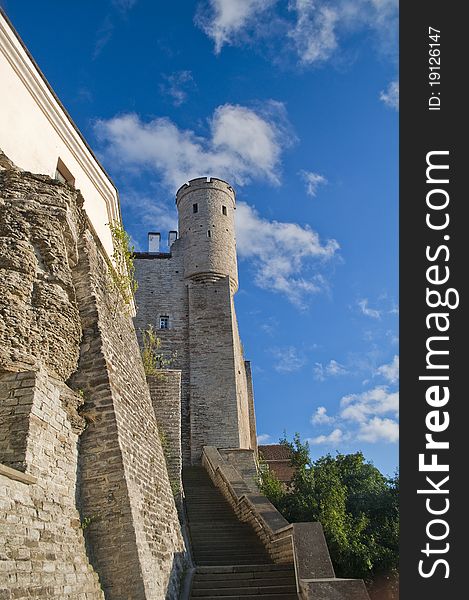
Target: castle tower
pixel 207 226
pixel 187 296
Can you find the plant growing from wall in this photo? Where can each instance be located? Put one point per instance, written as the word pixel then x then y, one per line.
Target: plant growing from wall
pixel 86 521
pixel 122 272
pixel 153 360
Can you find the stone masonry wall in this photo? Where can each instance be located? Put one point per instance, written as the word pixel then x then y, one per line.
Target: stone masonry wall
pixel 252 413
pixel 137 546
pixel 163 291
pixel 38 220
pixel 208 235
pixel 42 545
pixel 241 384
pixel 57 305
pixel 165 392
pixel 214 403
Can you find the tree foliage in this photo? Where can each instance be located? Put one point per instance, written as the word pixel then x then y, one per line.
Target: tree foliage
pixel 357 506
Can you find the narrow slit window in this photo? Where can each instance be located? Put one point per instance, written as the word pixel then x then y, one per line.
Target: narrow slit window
pixel 164 322
pixel 223 210
pixel 209 233
pixel 195 208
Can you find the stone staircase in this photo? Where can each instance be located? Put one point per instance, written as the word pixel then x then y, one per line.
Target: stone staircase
pixel 231 562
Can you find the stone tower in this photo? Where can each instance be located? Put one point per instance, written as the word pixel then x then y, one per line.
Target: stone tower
pixel 207 227
pixel 187 296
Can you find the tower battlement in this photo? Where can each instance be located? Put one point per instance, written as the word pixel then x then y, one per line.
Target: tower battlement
pixel 205 183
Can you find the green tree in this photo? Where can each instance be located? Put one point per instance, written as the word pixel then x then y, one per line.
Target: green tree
pixel 357 506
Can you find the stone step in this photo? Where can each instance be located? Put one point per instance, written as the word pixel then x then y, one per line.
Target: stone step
pixel 228 543
pixel 220 562
pixel 232 562
pixel 234 544
pixel 209 538
pixel 232 525
pixel 204 501
pixel 205 533
pixel 249 575
pixel 245 569
pixel 254 591
pixel 269 596
pixel 224 513
pixel 238 582
pixel 233 555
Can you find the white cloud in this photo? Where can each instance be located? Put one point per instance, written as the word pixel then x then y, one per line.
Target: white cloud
pixel 225 20
pixel 335 437
pixel 390 96
pixel 124 5
pixel 177 85
pixel 390 371
pixel 314 33
pixel 149 213
pixel 103 36
pixel 318 371
pixel 263 438
pixel 321 25
pixel 321 417
pixel 367 311
pixel 370 416
pixel 377 401
pixel 288 359
pixel 377 430
pixel 241 144
pixel 332 369
pixel 313 181
pixel 106 30
pixel 313 29
pixel 286 256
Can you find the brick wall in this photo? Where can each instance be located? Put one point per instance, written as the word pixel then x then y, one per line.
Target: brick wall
pixel 135 536
pixel 252 413
pixel 60 317
pixel 214 402
pixel 243 417
pixel 162 291
pixel 165 392
pixel 208 235
pixel 194 286
pixel 42 544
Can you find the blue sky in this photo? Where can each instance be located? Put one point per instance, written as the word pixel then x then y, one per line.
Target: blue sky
pixel 295 103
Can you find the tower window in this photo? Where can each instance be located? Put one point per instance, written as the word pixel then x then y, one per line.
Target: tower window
pixel 164 322
pixel 223 210
pixel 209 233
pixel 195 208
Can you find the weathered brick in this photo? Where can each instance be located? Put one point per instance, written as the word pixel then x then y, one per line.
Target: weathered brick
pixel 60 317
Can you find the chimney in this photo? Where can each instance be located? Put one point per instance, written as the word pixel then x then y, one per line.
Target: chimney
pixel 154 238
pixel 172 237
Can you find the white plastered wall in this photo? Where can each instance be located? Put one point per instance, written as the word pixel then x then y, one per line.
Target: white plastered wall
pixel 35 132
